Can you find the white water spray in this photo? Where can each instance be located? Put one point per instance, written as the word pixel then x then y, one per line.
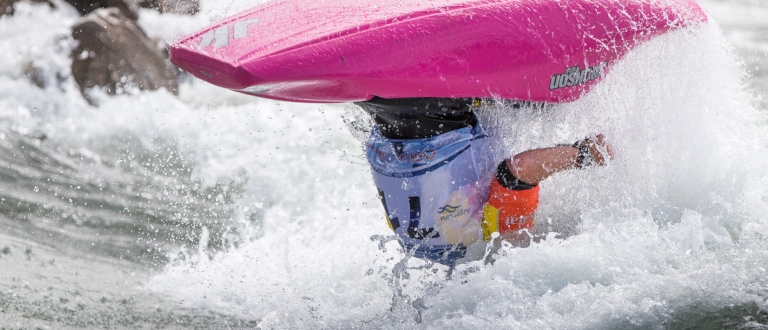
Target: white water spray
pixel 671 231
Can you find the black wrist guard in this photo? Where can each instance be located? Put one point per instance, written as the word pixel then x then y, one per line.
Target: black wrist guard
pixel 585 157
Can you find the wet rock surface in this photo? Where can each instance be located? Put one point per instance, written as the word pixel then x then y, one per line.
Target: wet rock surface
pixel 6 6
pixel 113 52
pixel 128 7
pixel 188 7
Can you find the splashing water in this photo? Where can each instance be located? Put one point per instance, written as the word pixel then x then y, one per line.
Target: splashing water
pixel 670 234
pixel 279 223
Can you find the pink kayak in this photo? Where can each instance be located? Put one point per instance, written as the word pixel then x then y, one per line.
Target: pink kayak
pixel 353 50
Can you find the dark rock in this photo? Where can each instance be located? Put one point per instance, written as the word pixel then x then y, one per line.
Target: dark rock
pixel 113 52
pixel 187 7
pixel 6 6
pixel 35 75
pixel 128 7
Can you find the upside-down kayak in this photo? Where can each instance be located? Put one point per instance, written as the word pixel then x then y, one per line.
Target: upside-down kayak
pixel 354 50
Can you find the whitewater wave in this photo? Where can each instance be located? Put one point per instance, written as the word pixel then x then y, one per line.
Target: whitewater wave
pixel 670 234
pixel 278 220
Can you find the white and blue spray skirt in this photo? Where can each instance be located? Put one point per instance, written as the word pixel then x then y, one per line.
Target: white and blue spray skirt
pixel 433 190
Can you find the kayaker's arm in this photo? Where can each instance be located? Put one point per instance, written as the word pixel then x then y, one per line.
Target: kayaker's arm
pixel 533 166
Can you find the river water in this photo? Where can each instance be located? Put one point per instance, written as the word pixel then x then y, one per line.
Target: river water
pixel 219 210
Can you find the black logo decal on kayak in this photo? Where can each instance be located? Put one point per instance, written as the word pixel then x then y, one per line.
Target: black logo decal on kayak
pixel 574 76
pixel 220 36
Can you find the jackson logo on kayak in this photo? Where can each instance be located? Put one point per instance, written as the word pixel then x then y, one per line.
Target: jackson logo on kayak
pixel 574 76
pixel 219 37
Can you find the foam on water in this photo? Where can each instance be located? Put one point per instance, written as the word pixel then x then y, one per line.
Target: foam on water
pixel 671 233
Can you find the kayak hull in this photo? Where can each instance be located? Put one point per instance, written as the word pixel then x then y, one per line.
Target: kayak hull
pixel 544 51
